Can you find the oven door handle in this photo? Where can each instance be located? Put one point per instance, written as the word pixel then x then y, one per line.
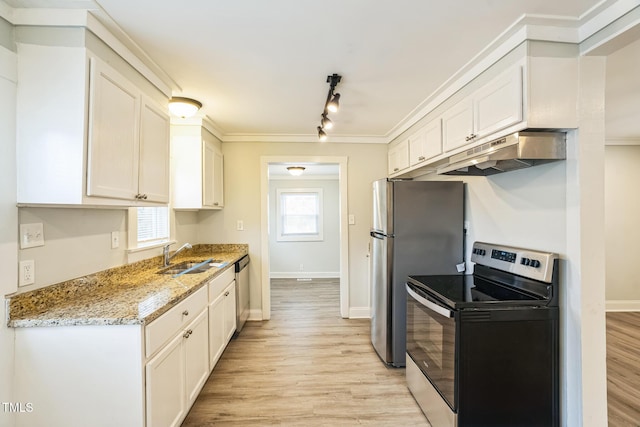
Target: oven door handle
pixel 429 304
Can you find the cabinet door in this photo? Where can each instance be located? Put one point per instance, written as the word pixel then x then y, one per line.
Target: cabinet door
pixel 153 182
pixel 498 104
pixel 212 175
pixel 113 152
pixel 399 157
pixel 218 179
pixel 229 311
pixel 196 352
pixel 216 330
pixel 166 385
pixel 457 125
pixel 427 143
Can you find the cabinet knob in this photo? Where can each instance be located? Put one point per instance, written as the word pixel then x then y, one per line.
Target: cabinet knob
pixel 185 313
pixel 395 169
pixel 421 158
pixel 144 196
pixel 226 294
pixel 215 203
pixel 187 333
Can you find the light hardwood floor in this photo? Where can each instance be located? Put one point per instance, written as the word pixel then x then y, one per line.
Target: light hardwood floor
pixel 305 367
pixel 623 369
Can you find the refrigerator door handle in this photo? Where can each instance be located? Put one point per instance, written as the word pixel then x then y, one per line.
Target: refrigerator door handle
pixel 378 235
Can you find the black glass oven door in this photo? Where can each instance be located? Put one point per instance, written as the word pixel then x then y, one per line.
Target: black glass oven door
pixel 431 335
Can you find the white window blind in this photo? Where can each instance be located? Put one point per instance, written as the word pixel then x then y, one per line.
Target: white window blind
pixel 300 214
pixel 153 224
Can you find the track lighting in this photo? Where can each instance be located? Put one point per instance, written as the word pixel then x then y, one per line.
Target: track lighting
pixel 334 104
pixel 322 135
pixel 326 122
pixel 331 105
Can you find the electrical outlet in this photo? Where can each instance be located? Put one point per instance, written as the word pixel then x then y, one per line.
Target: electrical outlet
pixel 352 219
pixel 27 273
pixel 115 240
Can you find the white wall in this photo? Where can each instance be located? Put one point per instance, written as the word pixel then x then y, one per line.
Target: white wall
pixel 77 242
pixel 622 210
pixel 318 259
pixel 9 221
pixel 366 163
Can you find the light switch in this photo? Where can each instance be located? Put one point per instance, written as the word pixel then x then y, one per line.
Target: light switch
pixel 31 235
pixel 352 219
pixel 240 225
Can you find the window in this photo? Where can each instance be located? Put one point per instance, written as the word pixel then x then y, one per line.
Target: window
pixel 299 214
pixel 153 225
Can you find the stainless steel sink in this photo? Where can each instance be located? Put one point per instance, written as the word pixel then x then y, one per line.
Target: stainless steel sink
pixel 189 267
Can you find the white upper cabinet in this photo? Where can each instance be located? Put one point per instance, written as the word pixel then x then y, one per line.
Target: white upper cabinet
pixel 427 143
pixel 92 138
pixel 197 168
pixel 154 173
pixel 398 157
pixel 494 106
pixel 114 126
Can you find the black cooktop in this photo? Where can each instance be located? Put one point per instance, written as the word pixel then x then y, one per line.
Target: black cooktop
pixel 462 291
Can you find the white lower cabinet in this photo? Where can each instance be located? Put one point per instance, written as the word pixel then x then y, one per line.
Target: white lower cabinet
pixel 125 375
pixel 178 370
pixel 222 315
pixel 166 385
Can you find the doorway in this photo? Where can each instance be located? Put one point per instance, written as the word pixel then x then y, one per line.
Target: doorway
pixel 275 165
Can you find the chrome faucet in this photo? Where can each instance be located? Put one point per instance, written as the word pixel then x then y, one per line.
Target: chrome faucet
pixel 165 252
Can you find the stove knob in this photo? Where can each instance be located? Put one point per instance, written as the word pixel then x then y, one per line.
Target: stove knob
pixel 482 252
pixel 535 263
pixel 525 261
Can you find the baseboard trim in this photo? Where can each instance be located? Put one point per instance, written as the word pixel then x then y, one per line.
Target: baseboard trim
pixel 622 305
pixel 255 315
pixel 359 313
pixel 305 275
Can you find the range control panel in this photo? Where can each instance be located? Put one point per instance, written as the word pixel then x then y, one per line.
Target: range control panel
pixel 537 265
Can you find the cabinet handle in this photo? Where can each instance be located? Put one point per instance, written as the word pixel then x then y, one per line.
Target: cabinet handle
pixel 226 294
pixel 185 313
pixel 144 196
pixel 215 203
pixel 470 137
pixel 187 333
pixel 396 169
pixel 421 158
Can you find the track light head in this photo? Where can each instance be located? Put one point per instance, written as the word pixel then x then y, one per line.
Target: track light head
pixel 334 104
pixel 326 122
pixel 322 136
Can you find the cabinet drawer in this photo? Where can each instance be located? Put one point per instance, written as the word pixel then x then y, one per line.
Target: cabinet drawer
pixel 166 326
pixel 218 284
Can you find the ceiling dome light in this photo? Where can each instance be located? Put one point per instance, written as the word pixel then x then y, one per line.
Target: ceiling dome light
pixel 183 107
pixel 322 135
pixel 296 170
pixel 326 122
pixel 334 104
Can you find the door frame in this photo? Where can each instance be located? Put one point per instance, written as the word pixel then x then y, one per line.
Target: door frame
pixel 342 163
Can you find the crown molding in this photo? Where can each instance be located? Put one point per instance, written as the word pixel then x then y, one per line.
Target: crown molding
pixel 333 139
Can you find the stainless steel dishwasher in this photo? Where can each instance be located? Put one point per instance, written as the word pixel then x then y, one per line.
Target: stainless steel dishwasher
pixel 242 292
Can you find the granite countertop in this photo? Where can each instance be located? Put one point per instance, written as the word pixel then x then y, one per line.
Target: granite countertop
pixel 132 294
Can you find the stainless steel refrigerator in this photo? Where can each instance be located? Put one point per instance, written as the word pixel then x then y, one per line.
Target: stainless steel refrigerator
pixel 418 229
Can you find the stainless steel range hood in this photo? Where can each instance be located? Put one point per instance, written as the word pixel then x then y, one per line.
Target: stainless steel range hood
pixel 516 151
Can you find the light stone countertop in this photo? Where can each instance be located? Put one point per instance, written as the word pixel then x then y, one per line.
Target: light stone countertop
pixel 132 294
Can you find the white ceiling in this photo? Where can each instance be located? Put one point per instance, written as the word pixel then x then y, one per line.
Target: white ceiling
pixel 259 67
